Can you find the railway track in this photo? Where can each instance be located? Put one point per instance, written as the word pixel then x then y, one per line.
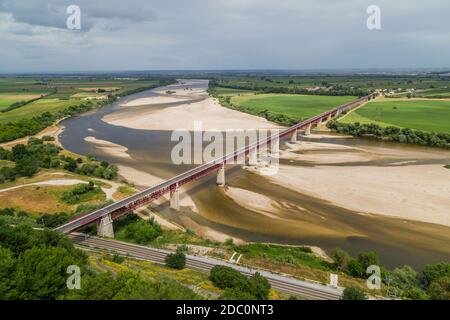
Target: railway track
pixel 284 284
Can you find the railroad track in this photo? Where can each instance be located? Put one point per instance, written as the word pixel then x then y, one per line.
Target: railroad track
pixel 284 284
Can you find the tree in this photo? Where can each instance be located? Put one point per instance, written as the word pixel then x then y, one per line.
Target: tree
pixel 368 258
pixel 71 165
pixel 433 272
pixel 259 286
pixel 355 268
pixel 7 268
pixel 176 260
pixel 225 277
pixel 341 258
pixel 440 289
pixel 351 293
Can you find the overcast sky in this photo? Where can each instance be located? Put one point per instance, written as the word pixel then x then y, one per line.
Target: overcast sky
pixel 222 34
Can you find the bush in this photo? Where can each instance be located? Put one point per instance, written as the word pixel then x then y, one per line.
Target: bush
pixel 176 260
pixel 353 294
pixel 440 289
pixel 225 277
pixel 433 272
pixel 142 231
pixel 236 294
pixel 355 269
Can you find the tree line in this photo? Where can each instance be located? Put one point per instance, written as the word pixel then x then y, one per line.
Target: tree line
pixel 336 90
pixel 433 282
pixel 402 135
pixel 34 264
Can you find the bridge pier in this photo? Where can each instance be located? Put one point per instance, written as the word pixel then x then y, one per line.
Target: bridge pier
pixel 105 227
pixel 308 130
pixel 252 157
pixel 275 145
pixel 294 136
pixel 175 199
pixel 221 175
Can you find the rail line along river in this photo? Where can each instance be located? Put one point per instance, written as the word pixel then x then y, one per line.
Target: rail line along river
pixel 331 191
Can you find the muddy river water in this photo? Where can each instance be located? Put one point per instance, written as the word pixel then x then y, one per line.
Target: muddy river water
pixel 301 219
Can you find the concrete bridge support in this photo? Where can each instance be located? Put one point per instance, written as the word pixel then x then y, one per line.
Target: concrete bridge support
pixel 105 227
pixel 275 145
pixel 294 136
pixel 221 176
pixel 252 157
pixel 308 130
pixel 175 199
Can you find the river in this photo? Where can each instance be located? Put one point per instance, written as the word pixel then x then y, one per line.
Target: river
pixel 303 219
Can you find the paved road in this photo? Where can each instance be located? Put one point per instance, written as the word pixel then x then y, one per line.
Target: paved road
pixel 284 284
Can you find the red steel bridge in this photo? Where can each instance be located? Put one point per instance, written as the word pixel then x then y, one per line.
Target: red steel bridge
pixel 124 206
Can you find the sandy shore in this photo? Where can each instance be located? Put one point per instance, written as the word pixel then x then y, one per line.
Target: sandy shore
pixel 212 115
pixel 401 187
pixel 109 148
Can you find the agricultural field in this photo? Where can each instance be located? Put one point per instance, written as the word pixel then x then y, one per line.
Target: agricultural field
pixel 57 93
pixel 425 114
pixel 296 106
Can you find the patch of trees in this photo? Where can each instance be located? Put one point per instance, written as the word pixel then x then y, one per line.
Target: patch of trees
pixel 76 194
pixel 30 158
pixel 33 265
pixel 141 231
pixel 406 283
pixel 402 135
pixel 239 287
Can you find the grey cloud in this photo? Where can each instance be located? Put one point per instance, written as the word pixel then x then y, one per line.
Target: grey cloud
pixel 219 34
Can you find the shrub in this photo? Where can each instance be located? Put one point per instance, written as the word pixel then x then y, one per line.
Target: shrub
pixel 353 294
pixel 176 260
pixel 225 277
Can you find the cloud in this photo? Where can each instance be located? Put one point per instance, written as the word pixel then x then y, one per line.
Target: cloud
pixel 222 34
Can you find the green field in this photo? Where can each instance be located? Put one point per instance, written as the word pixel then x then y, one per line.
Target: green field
pixel 63 92
pixel 292 105
pixel 29 104
pixel 426 115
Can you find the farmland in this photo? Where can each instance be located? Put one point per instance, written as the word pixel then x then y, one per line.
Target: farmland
pixel 30 104
pixel 296 106
pixel 427 115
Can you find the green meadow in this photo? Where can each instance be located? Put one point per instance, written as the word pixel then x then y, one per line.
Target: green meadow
pixel 427 115
pixel 292 105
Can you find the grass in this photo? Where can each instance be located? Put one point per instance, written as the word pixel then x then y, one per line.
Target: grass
pixel 426 115
pixel 6 99
pixel 297 106
pixel 36 199
pixel 65 91
pixel 36 108
pixel 123 192
pixel 43 199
